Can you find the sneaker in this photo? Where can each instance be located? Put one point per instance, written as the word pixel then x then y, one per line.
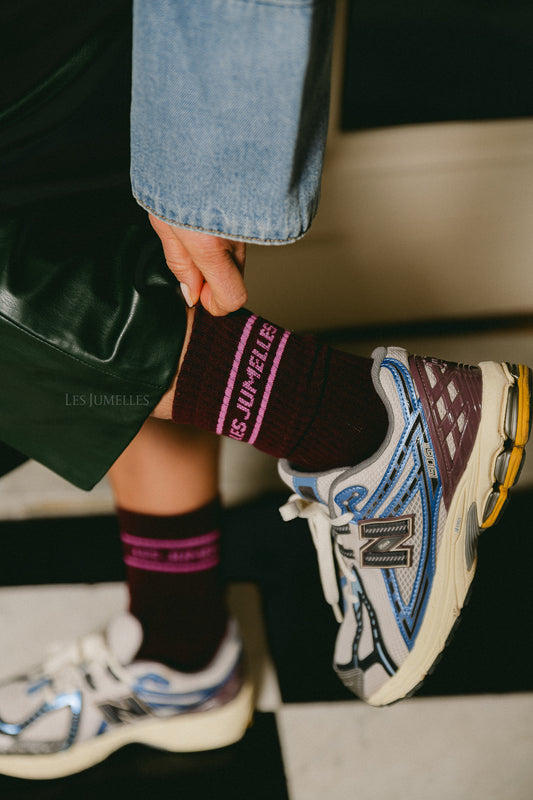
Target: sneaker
pixel 92 698
pixel 396 536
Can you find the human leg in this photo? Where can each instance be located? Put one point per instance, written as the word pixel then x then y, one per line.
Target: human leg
pixel 171 673
pixel 166 470
pixel 166 491
pixel 287 394
pixel 397 530
pixel 91 326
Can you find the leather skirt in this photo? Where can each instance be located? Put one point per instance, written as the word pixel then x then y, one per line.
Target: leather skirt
pixel 91 324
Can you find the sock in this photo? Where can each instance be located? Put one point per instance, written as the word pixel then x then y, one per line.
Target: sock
pixel 286 394
pixel 174 584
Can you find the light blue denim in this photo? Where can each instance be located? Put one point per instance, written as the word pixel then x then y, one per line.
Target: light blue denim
pixel 229 115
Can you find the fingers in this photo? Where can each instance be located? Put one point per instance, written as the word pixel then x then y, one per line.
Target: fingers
pixel 179 261
pixel 221 263
pixel 209 268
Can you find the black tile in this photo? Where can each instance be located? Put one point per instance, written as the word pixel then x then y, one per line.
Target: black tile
pixel 491 649
pixel 10 458
pixel 423 62
pixel 252 768
pixel 88 550
pixel 62 550
pixel 490 652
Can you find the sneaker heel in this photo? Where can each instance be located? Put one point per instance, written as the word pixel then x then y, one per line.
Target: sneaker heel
pixel 517 428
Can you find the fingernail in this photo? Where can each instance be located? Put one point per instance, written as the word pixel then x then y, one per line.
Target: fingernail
pixel 186 292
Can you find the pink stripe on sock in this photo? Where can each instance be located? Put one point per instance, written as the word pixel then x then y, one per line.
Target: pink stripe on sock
pixel 268 389
pixel 165 566
pixel 170 544
pixel 233 374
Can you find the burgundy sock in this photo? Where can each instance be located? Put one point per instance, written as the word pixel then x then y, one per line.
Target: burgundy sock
pixel 288 395
pixel 174 584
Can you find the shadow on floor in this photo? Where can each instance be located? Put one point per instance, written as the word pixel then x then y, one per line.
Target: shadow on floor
pixel 252 768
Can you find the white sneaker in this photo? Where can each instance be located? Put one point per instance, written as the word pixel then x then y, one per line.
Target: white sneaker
pixel 91 698
pixel 396 536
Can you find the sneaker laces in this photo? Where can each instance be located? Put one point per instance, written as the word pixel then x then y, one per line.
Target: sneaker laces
pixel 67 667
pixel 320 525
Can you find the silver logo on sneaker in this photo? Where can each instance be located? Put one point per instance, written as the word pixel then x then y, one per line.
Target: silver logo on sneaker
pixel 431 462
pixel 386 548
pixel 124 710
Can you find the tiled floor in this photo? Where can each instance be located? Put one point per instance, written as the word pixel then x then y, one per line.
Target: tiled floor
pixel 467 735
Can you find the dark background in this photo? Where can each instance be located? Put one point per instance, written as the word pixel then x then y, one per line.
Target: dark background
pixel 418 61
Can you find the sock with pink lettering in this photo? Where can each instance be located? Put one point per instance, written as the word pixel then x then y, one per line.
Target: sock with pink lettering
pixel 173 572
pixel 286 394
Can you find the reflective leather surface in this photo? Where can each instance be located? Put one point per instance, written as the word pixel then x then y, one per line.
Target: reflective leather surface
pixel 90 325
pixel 91 329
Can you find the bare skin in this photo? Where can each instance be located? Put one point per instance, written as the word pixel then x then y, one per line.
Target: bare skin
pixel 167 469
pixel 209 268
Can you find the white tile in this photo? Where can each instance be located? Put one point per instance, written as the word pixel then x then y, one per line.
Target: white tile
pixel 246 473
pixel 245 602
pixel 32 491
pixel 468 748
pixel 414 222
pixel 33 617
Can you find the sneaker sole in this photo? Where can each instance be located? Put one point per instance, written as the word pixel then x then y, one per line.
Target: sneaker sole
pixel 187 733
pixel 480 497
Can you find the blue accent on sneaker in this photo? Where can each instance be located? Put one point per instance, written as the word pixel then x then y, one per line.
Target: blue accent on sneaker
pixel 379 652
pixel 395 493
pixel 307 487
pixel 143 683
pixel 36 687
pixel 175 701
pixel 70 700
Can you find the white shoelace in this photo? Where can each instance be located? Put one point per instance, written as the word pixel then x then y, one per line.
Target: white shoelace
pixel 67 665
pixel 320 524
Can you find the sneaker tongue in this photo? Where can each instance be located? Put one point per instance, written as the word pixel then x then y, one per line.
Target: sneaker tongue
pixel 124 637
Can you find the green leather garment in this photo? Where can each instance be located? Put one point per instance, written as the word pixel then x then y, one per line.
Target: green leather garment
pixel 90 324
pixel 91 328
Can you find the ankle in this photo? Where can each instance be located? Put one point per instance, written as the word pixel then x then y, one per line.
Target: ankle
pixel 175 586
pixel 287 394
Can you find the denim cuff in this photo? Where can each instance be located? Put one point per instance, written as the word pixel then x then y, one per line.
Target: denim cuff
pixel 229 118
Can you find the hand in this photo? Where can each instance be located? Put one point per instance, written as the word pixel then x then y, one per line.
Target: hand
pixel 209 268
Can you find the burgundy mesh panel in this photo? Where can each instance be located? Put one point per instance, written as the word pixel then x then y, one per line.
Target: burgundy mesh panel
pixel 451 398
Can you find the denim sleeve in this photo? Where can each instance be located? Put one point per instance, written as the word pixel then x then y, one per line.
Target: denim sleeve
pixel 229 115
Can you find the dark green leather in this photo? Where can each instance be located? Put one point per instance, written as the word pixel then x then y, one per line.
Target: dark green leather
pixel 10 459
pixel 91 329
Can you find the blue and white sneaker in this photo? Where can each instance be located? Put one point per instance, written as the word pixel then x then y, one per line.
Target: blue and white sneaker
pixel 92 698
pixel 396 536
